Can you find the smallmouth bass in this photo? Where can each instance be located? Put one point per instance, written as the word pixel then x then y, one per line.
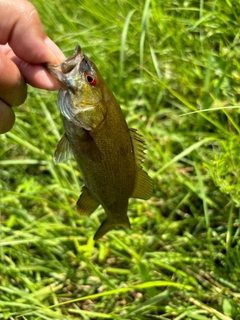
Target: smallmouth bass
pixel 108 153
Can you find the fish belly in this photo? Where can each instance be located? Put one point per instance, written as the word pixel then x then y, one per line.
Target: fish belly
pixel 107 166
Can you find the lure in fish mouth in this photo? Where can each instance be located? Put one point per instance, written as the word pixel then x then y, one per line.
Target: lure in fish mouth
pixel 108 153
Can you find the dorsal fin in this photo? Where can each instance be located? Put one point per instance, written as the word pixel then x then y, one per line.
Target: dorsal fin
pixel 143 188
pixel 143 184
pixel 138 146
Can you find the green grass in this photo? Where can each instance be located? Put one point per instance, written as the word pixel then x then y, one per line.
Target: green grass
pixel 174 67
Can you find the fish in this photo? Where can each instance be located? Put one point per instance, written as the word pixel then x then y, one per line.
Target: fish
pixel 108 153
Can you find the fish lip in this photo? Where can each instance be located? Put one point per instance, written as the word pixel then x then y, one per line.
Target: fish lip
pixel 71 62
pixel 62 71
pixel 55 71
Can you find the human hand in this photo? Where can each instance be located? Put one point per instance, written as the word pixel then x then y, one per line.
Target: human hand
pixel 24 47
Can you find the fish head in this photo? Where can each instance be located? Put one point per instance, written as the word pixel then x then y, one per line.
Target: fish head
pixel 81 95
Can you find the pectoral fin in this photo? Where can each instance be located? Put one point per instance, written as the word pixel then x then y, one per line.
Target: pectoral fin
pixel 63 151
pixel 86 204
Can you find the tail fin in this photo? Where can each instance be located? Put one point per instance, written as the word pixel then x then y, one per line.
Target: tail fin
pixel 107 225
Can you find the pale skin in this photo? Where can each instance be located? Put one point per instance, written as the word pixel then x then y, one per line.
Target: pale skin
pixel 24 47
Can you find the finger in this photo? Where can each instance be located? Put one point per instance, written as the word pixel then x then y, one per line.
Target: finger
pixel 36 75
pixel 20 22
pixel 55 49
pixel 7 117
pixel 13 89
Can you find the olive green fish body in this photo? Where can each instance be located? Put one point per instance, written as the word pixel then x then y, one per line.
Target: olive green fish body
pixel 108 167
pixel 108 153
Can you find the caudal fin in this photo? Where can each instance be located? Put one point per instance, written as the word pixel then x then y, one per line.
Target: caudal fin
pixel 107 225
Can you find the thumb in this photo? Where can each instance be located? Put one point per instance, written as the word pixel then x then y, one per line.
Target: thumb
pixel 22 29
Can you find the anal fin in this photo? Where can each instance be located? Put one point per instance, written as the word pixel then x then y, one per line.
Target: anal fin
pixel 86 204
pixel 143 185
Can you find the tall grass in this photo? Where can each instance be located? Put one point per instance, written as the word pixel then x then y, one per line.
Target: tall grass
pixel 174 67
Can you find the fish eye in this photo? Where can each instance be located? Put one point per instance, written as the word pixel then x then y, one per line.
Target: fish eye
pixel 91 80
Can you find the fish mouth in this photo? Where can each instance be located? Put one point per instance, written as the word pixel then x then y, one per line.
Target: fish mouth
pixel 64 72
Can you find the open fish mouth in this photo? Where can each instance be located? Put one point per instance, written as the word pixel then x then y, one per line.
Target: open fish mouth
pixel 65 72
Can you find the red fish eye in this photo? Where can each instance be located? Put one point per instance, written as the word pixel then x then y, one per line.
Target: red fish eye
pixel 91 80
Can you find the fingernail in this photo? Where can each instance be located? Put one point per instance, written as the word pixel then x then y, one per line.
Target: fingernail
pixel 55 50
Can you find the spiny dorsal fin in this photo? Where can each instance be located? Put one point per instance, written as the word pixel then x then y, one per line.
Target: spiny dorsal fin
pixel 63 151
pixel 138 146
pixel 143 184
pixel 86 204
